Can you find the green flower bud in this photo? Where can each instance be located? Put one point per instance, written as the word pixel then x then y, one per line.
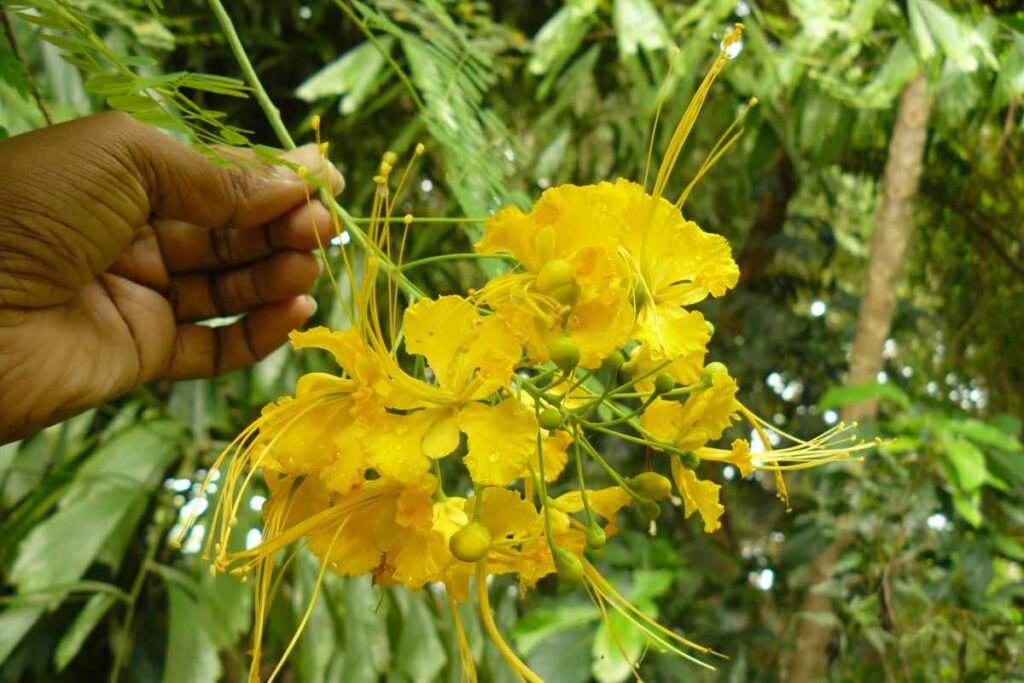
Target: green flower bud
pixel 554 274
pixel 613 362
pixel 570 569
pixel 550 418
pixel 664 383
pixel 710 370
pixel 648 509
pixel 651 485
pixel 564 353
pixel 596 537
pixel 689 459
pixel 471 542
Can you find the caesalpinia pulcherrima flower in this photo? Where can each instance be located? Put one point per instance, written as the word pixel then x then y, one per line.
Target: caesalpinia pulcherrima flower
pixel 589 337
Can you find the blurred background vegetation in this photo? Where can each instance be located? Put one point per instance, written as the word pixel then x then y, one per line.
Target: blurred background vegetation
pixel 905 567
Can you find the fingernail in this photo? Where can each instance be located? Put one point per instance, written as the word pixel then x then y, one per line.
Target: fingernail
pixel 309 303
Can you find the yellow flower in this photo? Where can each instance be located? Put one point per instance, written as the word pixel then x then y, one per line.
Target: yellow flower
pixel 702 418
pixel 699 495
pixel 574 277
pixel 674 264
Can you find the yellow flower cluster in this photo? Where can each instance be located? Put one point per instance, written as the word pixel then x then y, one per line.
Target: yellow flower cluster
pixel 590 336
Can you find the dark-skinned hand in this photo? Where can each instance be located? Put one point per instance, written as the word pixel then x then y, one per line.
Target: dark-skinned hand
pixel 115 240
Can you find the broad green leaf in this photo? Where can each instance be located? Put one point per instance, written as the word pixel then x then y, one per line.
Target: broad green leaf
pixel 14 624
pixel 932 24
pixel 638 25
pixel 73 639
pixel 618 644
pixel 540 624
pixel 565 656
pixel 420 654
pixel 862 16
pixel 968 506
pixel 649 585
pixel 122 470
pixel 985 434
pixel 561 35
pixel 353 77
pixel 841 396
pixel 366 645
pixel 191 655
pixel 13 72
pixel 968 461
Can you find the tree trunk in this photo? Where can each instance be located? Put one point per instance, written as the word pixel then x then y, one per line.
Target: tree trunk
pixel 888 251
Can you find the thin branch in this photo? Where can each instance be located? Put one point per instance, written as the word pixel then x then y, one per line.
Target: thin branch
pixel 32 85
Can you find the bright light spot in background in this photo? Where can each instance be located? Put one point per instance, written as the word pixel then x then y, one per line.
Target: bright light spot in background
pixel 194 543
pixel 543 183
pixel 427 185
pixel 509 154
pixel 830 417
pixel 256 503
pixel 818 309
pixel 729 472
pixel 882 377
pixel 179 485
pixel 305 12
pixel 253 538
pixel 939 522
pixel 889 348
pixel 932 388
pixel 345 238
pixel 776 537
pixel 907 371
pixel 775 381
pixel 742 9
pixel 757 445
pixel 764 579
pixel 733 50
pixel 194 508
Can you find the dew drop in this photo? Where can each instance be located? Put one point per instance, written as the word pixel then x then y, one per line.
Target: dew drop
pixel 494 457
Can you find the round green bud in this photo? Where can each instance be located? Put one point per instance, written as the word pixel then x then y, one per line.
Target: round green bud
pixel 630 367
pixel 553 275
pixel 596 537
pixel 570 569
pixel 613 362
pixel 471 542
pixel 710 328
pixel 664 383
pixel 550 418
pixel 689 459
pixel 564 353
pixel 714 368
pixel 566 294
pixel 648 509
pixel 651 485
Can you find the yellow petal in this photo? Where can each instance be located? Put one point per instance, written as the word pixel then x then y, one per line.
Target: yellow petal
pixel 555 445
pixel 740 457
pixel 669 332
pixel 699 495
pixel 442 437
pixel 457 341
pixel 395 444
pixel 502 439
pixel 703 417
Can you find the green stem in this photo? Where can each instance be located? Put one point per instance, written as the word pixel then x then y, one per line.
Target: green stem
pixel 266 104
pixel 616 477
pixel 591 521
pixel 449 257
pixel 411 291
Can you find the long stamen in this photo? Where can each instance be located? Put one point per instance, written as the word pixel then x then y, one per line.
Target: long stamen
pixel 689 117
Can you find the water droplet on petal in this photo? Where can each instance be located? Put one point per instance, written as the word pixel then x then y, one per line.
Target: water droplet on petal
pixel 494 457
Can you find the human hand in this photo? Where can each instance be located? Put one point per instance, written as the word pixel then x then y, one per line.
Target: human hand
pixel 115 239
